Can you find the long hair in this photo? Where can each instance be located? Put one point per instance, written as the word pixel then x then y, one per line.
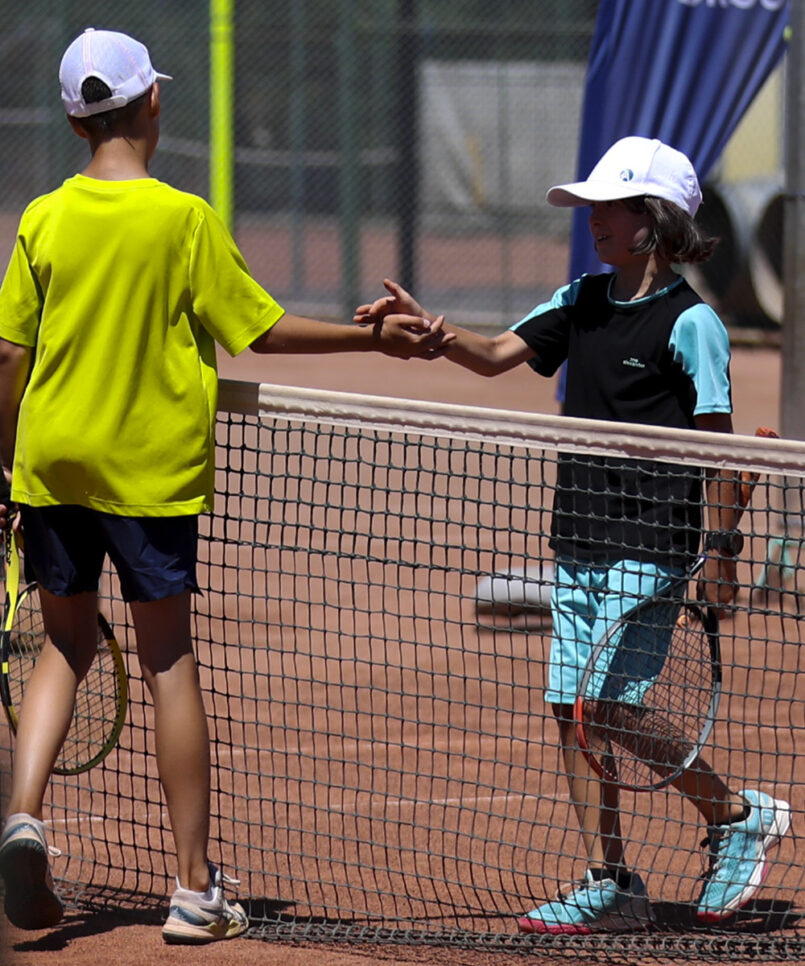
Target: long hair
pixel 673 233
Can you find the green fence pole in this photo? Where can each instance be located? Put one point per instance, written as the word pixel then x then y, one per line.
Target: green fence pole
pixel 222 99
pixel 407 134
pixel 298 99
pixel 349 174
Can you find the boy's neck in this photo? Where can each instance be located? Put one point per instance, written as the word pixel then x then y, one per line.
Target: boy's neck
pixel 118 159
pixel 638 281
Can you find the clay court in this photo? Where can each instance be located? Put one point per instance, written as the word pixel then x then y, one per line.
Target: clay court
pixel 418 782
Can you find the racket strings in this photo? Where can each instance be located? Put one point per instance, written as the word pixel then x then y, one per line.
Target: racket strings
pixel 642 731
pixel 98 711
pixel 95 713
pixel 664 673
pixel 25 641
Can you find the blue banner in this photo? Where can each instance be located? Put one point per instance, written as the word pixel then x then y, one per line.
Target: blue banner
pixel 683 71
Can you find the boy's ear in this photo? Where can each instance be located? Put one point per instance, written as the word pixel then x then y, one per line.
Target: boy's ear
pixel 153 100
pixel 78 127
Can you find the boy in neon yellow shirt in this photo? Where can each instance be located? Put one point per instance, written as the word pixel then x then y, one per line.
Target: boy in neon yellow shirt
pixel 118 289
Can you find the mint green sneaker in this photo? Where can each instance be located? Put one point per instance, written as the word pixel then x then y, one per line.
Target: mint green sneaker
pixel 738 856
pixel 31 901
pixel 594 905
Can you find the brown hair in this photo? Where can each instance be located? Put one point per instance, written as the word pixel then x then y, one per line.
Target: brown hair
pixel 673 233
pixel 107 123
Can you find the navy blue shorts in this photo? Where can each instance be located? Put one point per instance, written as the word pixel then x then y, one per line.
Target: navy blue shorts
pixel 65 549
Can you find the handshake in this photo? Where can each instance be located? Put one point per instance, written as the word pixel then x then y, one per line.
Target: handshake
pixel 402 327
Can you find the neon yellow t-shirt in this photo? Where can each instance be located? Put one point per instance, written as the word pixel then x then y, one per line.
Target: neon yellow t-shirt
pixel 122 288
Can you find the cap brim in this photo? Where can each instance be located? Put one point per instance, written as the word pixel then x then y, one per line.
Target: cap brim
pixel 160 77
pixel 585 192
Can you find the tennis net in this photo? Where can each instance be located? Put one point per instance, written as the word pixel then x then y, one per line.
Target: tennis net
pixel 373 638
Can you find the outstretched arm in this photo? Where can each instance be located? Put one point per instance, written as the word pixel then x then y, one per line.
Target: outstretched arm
pixel 479 353
pixel 404 338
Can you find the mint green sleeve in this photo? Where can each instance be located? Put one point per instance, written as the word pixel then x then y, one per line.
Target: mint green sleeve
pixel 700 344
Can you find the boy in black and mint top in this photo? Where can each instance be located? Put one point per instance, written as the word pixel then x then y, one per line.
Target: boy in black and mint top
pixel 640 347
pixel 658 360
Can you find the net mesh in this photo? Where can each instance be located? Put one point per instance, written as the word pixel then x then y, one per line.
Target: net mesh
pixel 373 638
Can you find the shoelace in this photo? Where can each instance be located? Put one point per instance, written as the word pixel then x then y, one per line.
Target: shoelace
pixel 562 895
pixel 712 842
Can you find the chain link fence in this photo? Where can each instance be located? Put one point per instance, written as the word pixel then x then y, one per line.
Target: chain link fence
pixel 410 138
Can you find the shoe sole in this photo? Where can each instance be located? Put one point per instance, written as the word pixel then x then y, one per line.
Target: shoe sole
pixel 633 916
pixel 179 930
pixel 182 934
pixel 30 903
pixel 779 826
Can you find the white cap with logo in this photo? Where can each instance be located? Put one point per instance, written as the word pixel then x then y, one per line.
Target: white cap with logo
pixel 120 61
pixel 632 167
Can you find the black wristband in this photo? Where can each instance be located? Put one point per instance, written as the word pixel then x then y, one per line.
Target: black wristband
pixel 730 542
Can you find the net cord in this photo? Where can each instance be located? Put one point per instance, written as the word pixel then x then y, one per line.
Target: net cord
pixel 535 431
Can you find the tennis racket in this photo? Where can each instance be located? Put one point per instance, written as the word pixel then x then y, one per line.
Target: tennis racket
pixel 649 694
pixel 102 696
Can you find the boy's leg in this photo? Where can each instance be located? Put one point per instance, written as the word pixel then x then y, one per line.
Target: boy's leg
pixel 587 602
pixel 610 898
pixel 741 826
pixel 168 664
pixel 47 706
pixel 198 913
pixel 45 716
pixel 594 799
pixel 741 829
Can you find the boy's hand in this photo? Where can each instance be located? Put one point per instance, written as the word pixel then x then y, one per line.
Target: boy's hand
pixel 718 584
pixel 7 508
pixel 397 302
pixel 411 336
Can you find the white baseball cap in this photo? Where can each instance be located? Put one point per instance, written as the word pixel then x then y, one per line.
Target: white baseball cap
pixel 632 167
pixel 120 61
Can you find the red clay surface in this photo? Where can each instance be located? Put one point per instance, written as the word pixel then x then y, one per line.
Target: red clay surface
pixel 109 939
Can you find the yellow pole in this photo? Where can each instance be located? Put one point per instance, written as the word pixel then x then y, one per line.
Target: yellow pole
pixel 222 87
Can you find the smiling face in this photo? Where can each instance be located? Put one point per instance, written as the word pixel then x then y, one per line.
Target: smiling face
pixel 617 229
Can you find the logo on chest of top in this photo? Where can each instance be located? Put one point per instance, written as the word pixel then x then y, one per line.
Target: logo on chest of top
pixel 634 363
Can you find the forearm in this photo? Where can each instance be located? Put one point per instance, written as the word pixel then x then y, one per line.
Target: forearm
pixel 297 334
pixel 399 336
pixel 722 488
pixel 483 355
pixel 718 585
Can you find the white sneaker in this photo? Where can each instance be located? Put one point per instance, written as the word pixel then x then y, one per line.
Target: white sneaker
pixel 194 920
pixel 31 901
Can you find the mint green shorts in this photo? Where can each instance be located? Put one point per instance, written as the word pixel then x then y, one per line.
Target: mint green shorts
pixel 586 601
